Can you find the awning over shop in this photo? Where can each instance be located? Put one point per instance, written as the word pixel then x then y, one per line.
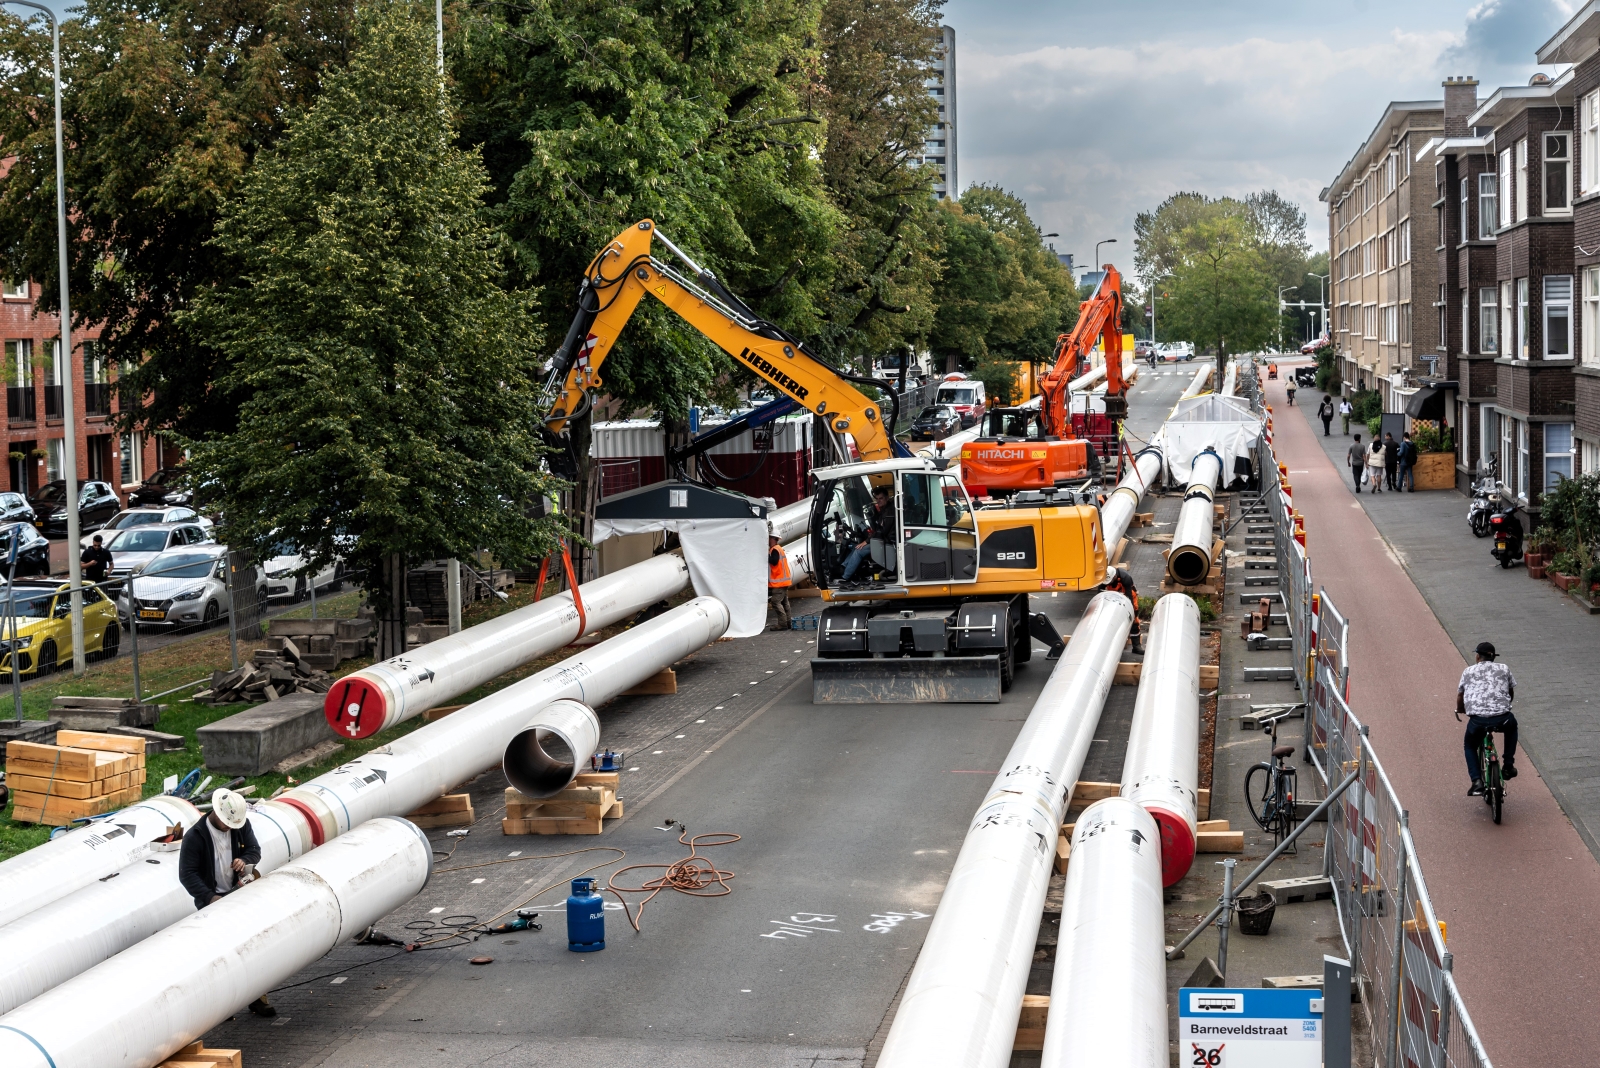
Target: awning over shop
pixel 1427 403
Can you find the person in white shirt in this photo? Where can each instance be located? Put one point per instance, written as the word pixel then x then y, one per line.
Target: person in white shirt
pixel 1484 697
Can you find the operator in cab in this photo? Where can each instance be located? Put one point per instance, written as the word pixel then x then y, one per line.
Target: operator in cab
pixel 881 529
pixel 1119 581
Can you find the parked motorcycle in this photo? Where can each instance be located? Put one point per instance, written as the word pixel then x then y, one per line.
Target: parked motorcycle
pixel 1485 499
pixel 1507 530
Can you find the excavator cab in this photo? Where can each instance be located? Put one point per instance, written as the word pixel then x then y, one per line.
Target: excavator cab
pixel 881 527
pixel 1021 423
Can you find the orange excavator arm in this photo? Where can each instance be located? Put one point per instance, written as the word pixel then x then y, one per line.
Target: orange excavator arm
pixel 1099 319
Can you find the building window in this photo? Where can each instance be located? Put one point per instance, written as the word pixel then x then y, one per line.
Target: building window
pixel 1488 206
pixel 1522 179
pixel 1466 213
pixel 1591 316
pixel 1557 454
pixel 1405 323
pixel 1505 184
pixel 1522 459
pixel 1557 175
pixel 1369 322
pixel 1466 321
pixel 1488 326
pixel 55 448
pixel 1558 316
pixel 14 290
pixel 1590 457
pixel 132 446
pixel 1589 147
pixel 19 364
pixel 1521 350
pixel 1405 241
pixel 1488 435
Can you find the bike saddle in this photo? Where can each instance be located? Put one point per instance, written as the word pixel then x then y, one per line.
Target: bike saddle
pixel 1283 751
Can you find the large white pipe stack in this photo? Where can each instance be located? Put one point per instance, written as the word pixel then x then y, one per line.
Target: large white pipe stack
pixel 1119 509
pixel 73 934
pixel 82 856
pixel 367 701
pixel 1198 386
pixel 1230 380
pixel 791 521
pixel 1189 562
pixel 1108 997
pixel 145 1004
pixel 962 1000
pixel 1161 772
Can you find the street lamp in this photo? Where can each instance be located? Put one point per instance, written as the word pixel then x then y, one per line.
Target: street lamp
pixel 1281 291
pixel 69 458
pixel 1107 241
pixel 438 22
pixel 1322 302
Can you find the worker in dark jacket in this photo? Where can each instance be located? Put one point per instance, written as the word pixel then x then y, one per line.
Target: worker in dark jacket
pixel 219 853
pixel 1119 581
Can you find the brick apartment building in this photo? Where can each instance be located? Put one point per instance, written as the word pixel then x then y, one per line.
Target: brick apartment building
pixel 35 432
pixel 1382 233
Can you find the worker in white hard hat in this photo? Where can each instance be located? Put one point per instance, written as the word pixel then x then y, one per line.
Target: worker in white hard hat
pixel 218 853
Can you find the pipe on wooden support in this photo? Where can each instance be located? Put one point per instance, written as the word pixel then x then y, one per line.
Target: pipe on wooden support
pixel 1189 562
pixel 1108 996
pixel 1118 511
pixel 1201 378
pixel 367 701
pixel 145 1004
pixel 86 854
pixel 1230 380
pixel 963 997
pixel 1161 771
pixel 530 765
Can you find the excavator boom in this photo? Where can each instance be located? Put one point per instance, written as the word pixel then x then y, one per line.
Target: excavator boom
pixel 1099 319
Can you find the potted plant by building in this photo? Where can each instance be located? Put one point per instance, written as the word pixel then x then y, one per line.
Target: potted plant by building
pixel 38 454
pixel 1570 523
pixel 1436 456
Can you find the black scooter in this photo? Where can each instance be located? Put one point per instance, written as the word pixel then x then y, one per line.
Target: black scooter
pixel 1506 529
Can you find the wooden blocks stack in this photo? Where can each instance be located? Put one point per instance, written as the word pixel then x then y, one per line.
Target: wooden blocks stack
pixel 582 808
pixel 84 774
pixel 195 1055
pixel 451 810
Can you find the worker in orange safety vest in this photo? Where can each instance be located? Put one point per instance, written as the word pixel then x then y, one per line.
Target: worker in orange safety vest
pixel 1118 580
pixel 779 579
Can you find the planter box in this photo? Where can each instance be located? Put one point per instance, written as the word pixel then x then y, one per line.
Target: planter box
pixel 1563 582
pixel 1533 559
pixel 1436 470
pixel 1536 571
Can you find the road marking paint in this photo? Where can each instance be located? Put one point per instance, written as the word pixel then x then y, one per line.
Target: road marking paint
pixel 339 980
pixel 475 882
pixel 435 912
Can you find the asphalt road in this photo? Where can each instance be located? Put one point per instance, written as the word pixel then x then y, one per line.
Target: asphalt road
pixel 849 817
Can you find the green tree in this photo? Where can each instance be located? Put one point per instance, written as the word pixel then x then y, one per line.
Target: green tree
pixel 1221 289
pixel 391 382
pixel 165 104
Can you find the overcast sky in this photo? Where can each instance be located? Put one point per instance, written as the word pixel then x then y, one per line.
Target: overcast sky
pixel 1096 112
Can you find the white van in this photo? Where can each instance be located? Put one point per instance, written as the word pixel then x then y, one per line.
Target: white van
pixel 965 395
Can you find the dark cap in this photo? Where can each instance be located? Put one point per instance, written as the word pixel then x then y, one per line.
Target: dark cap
pixel 1486 649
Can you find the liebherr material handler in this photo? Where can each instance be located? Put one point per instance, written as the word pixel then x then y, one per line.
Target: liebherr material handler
pixel 936 606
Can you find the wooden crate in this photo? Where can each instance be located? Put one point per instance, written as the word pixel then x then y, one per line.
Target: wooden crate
pixel 195 1055
pixel 451 810
pixel 581 808
pixel 105 743
pixel 662 682
pixel 66 762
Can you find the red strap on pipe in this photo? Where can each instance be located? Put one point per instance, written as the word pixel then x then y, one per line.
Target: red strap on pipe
pixel 572 583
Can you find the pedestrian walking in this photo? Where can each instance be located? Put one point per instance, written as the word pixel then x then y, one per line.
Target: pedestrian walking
pixel 1289 388
pixel 1408 463
pixel 1358 461
pixel 1391 461
pixel 1375 466
pixel 779 579
pixel 1346 410
pixel 1325 413
pixel 219 855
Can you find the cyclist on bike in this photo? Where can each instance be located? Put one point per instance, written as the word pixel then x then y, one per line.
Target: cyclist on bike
pixel 1485 695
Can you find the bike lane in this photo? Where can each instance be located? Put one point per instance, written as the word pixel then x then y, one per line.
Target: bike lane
pixel 1517 898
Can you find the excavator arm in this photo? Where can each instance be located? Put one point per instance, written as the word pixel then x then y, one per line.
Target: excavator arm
pixel 620 276
pixel 1099 319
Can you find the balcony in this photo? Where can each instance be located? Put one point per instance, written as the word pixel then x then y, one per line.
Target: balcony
pixel 19 404
pixel 52 402
pixel 96 399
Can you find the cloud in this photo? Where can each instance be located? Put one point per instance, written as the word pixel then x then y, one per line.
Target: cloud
pixel 1506 32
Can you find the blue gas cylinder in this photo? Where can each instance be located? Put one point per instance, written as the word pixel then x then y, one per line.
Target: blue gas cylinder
pixel 586 918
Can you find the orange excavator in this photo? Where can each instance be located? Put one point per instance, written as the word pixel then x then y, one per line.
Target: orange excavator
pixel 1034 448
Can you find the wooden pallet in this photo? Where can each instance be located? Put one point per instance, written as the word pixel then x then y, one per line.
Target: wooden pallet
pixel 662 682
pixel 1128 673
pixel 195 1055
pixel 451 810
pixel 85 774
pixel 582 808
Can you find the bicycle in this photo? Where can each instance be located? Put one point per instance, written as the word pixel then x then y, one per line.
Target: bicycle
pixel 1494 783
pixel 1269 790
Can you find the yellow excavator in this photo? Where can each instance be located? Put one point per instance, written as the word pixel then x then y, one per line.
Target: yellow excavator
pixel 927 595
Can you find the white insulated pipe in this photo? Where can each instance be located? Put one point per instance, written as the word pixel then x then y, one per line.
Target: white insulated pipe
pixel 367 701
pixel 1230 380
pixel 529 764
pixel 1118 511
pixel 963 997
pixel 146 1003
pixel 791 521
pixel 1108 996
pixel 1161 772
pixel 78 931
pixel 1189 561
pixel 1198 386
pixel 86 854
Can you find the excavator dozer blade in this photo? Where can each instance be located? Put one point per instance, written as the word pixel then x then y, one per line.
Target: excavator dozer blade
pixel 906 680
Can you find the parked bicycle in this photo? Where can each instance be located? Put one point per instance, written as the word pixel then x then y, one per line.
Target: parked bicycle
pixel 1269 789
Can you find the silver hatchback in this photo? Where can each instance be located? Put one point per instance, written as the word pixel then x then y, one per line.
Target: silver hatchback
pixel 183 587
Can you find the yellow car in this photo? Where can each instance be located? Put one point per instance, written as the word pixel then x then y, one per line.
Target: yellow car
pixel 41 620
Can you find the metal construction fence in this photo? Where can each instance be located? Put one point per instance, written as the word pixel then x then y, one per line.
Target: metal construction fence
pixel 1397 946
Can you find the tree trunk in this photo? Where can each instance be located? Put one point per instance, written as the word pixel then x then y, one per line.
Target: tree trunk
pixel 391 630
pixel 1222 365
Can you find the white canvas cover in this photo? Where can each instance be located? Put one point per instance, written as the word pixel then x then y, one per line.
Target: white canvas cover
pixel 727 560
pixel 1225 424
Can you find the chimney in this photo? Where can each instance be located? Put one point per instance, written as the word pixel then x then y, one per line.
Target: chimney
pixel 1460 101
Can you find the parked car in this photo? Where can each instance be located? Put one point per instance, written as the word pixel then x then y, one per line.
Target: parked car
pixel 166 486
pixel 136 517
pixel 33 550
pixel 1142 348
pixel 133 549
pixel 43 620
pixel 191 588
pixel 97 503
pixel 935 422
pixel 284 584
pixel 14 508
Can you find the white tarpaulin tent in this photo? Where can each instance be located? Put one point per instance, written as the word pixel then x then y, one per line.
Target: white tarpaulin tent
pixel 724 539
pixel 1209 421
